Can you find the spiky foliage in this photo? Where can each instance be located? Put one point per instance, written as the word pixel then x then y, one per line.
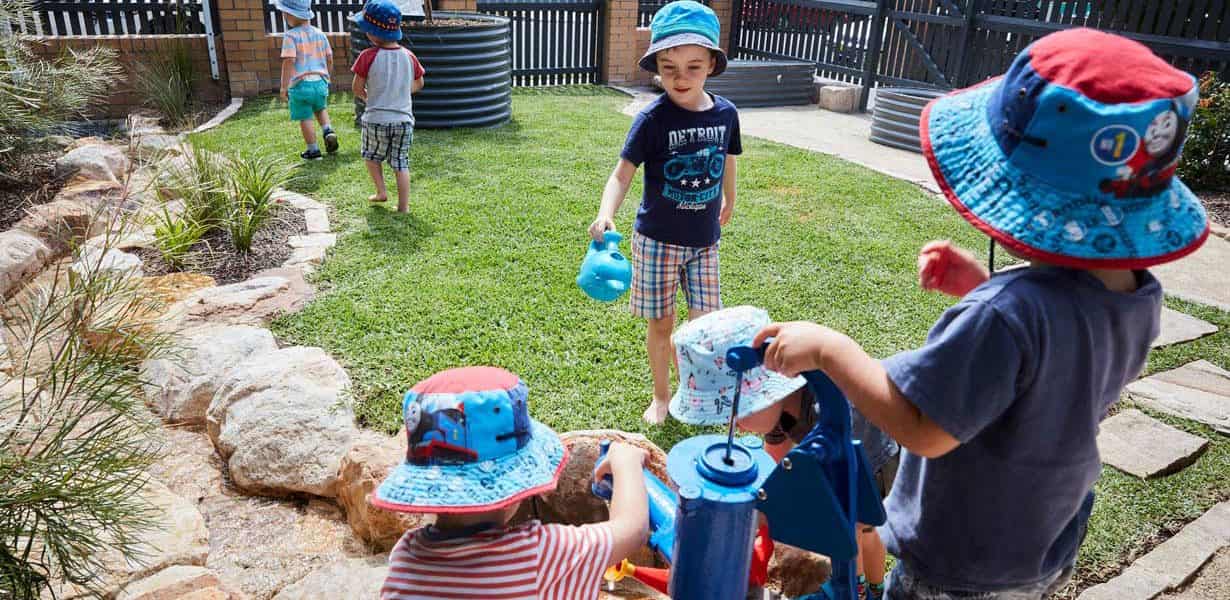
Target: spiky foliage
pixel 75 442
pixel 252 181
pixel 36 95
pixel 165 84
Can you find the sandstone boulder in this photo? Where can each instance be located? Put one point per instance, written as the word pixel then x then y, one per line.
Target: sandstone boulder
pixel 251 302
pixel 179 388
pixel 95 162
pixel 795 572
pixel 572 501
pixel 106 262
pixel 350 578
pixel 282 422
pixel 367 464
pixel 21 256
pixel 60 222
pixel 171 583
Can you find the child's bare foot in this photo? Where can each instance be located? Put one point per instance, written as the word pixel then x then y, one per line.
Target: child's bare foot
pixel 656 413
pixel 377 198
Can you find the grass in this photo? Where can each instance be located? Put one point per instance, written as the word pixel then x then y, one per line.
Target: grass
pixel 482 272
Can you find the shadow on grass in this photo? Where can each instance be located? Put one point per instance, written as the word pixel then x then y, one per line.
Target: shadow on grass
pixel 312 173
pixel 389 231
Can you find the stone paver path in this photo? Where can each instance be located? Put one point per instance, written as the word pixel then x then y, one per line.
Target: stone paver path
pixel 1172 563
pixel 1200 277
pixel 1140 445
pixel 1178 327
pixel 1199 391
pixel 1213 581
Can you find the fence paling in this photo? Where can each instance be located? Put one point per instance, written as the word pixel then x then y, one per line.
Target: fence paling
pixel 330 16
pixel 554 43
pixel 116 17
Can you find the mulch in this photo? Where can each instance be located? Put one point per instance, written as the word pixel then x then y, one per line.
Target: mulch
pixel 27 178
pixel 1218 205
pixel 216 256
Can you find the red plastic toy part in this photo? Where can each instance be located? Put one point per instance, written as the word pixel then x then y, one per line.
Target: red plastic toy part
pixel 659 579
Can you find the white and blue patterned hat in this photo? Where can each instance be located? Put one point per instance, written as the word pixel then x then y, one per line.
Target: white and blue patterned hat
pixel 706 386
pixel 471 446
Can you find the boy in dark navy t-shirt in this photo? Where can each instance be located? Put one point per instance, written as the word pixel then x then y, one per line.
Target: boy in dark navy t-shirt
pixel 687 139
pixel 1066 161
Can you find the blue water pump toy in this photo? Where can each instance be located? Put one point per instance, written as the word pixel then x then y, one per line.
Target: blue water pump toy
pixel 605 272
pixel 813 499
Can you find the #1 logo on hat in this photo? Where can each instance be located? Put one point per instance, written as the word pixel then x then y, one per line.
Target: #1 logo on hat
pixel 471 446
pixel 706 384
pixel 1069 157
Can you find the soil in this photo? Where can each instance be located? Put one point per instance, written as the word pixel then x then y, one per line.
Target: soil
pixel 1218 205
pixel 27 179
pixel 216 256
pixel 440 23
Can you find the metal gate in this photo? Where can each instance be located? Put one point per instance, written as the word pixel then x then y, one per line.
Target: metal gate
pixel 553 43
pixel 948 44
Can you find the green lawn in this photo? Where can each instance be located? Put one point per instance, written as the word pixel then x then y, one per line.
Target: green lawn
pixel 482 272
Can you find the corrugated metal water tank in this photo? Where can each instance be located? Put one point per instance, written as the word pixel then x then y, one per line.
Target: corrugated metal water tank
pixel 750 83
pixel 895 116
pixel 469 70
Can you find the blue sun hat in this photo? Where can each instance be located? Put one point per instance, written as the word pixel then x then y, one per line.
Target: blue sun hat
pixel 683 23
pixel 706 385
pixel 471 446
pixel 301 9
pixel 381 19
pixel 1069 158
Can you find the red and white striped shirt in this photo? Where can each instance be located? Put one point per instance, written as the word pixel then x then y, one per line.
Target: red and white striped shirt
pixel 528 562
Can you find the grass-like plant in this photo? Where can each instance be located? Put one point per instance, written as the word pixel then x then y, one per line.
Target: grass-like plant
pixel 37 95
pixel 75 442
pixel 165 84
pixel 174 236
pixel 200 180
pixel 252 181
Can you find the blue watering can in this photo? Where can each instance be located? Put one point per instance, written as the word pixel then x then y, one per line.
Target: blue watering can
pixel 605 273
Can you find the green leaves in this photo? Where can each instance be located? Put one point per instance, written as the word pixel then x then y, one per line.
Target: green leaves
pixel 1206 155
pixel 251 181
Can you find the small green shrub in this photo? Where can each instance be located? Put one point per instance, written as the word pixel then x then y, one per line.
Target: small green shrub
pixel 175 235
pixel 1206 156
pixel 252 181
pixel 165 84
pixel 201 181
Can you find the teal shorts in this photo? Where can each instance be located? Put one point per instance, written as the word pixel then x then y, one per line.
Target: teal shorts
pixel 308 98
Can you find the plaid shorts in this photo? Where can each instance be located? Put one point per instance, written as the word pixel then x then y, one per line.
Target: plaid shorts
pixel 388 142
pixel 656 273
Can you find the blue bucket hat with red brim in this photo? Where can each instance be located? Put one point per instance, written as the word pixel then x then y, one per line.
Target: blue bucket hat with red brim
pixel 471 446
pixel 379 18
pixel 1069 157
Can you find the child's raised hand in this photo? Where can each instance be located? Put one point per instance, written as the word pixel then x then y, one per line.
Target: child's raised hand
pixel 945 268
pixel 600 226
pixel 797 346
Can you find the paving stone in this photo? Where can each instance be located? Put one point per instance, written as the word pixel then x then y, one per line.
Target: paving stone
pixel 296 200
pixel 1199 391
pixel 1200 276
pixel 326 240
pixel 1179 327
pixel 1172 563
pixel 317 220
pixel 1213 581
pixel 1136 443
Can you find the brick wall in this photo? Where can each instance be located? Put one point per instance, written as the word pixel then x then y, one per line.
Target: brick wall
pixel 133 51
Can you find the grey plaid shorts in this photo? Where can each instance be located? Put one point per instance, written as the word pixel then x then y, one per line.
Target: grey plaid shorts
pixel 388 142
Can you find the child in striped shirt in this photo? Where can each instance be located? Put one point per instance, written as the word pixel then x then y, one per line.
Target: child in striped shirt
pixel 307 64
pixel 474 454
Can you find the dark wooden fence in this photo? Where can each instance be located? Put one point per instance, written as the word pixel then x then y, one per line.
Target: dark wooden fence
pixel 553 43
pixel 646 9
pixel 117 17
pixel 956 43
pixel 329 16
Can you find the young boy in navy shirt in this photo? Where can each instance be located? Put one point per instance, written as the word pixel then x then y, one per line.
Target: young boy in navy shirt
pixel 687 139
pixel 1067 161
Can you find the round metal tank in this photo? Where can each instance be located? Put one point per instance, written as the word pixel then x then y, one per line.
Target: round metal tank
pixel 896 113
pixel 469 70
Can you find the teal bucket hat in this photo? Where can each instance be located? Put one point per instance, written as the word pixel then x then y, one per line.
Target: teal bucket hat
pixel 684 23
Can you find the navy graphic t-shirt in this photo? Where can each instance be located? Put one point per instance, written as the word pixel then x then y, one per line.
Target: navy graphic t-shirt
pixel 684 153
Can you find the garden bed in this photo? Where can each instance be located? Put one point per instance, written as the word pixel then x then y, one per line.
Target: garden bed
pixel 28 180
pixel 215 254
